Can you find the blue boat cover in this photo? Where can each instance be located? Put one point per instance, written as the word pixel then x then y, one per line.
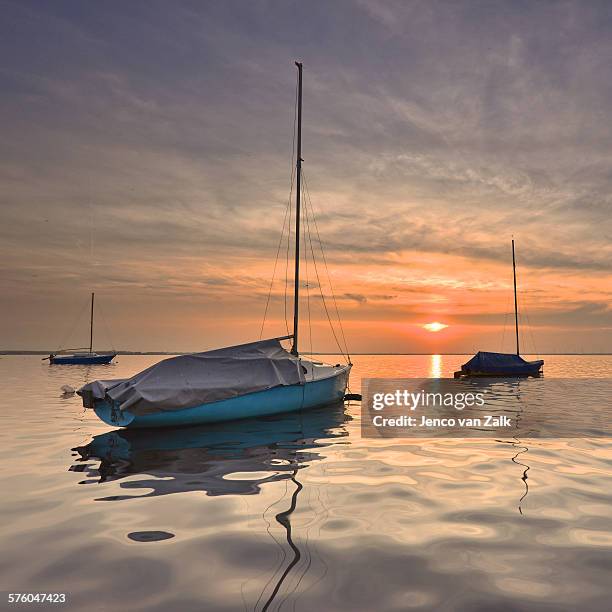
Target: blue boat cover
pixel 499 363
pixel 201 378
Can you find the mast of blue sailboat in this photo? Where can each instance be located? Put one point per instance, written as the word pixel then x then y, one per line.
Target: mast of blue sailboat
pixel 296 287
pixel 91 317
pixel 515 302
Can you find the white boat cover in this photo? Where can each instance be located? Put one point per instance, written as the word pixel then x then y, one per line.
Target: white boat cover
pixel 201 378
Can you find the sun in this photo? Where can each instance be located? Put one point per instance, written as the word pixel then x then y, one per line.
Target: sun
pixel 435 326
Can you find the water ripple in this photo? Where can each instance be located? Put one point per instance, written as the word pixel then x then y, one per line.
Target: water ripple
pixel 297 512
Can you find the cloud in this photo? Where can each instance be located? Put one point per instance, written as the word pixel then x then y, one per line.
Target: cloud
pixel 150 150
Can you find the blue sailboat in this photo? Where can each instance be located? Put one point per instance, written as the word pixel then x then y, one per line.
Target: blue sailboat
pixel 502 364
pixel 238 382
pixel 83 357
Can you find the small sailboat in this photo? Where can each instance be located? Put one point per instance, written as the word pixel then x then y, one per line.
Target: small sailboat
pixel 82 357
pixel 250 380
pixel 502 364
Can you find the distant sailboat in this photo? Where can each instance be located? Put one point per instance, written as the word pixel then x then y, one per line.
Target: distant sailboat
pixel 502 364
pixel 82 357
pixel 249 380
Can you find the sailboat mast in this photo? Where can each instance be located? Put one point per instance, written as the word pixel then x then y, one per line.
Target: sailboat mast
pixel 298 193
pixel 515 303
pixel 91 317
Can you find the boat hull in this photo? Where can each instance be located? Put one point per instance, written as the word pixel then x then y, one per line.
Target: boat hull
pixel 277 400
pixel 531 368
pixel 82 359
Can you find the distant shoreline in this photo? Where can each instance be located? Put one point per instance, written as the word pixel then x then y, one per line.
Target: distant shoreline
pixel 127 353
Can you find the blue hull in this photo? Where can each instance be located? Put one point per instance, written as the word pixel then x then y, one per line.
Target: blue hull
pixel 262 403
pixel 532 369
pixel 82 360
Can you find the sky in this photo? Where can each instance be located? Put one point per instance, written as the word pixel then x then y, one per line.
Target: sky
pixel 146 156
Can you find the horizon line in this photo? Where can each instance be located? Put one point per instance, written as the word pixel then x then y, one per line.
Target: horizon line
pixel 40 352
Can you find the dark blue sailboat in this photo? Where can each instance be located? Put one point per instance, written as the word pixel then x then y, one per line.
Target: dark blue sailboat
pixel 83 357
pixel 502 364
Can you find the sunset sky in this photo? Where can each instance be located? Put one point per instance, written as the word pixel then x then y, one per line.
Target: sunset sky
pixel 146 153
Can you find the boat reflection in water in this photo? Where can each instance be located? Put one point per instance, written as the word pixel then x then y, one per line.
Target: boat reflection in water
pixel 200 458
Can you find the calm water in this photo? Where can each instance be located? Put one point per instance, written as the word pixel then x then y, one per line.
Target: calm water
pixel 296 512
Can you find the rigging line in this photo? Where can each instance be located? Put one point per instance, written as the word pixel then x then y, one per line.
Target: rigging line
pixel 305 227
pixel 316 226
pixel 327 272
pixel 524 321
pixel 530 330
pixel 293 173
pixel 504 332
pixel 73 327
pixel 505 322
pixel 523 313
pixel 331 325
pixel 321 289
pixel 287 254
pixel 106 327
pixel 280 242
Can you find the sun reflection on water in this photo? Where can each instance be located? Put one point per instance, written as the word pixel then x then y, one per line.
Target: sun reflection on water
pixel 435 366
